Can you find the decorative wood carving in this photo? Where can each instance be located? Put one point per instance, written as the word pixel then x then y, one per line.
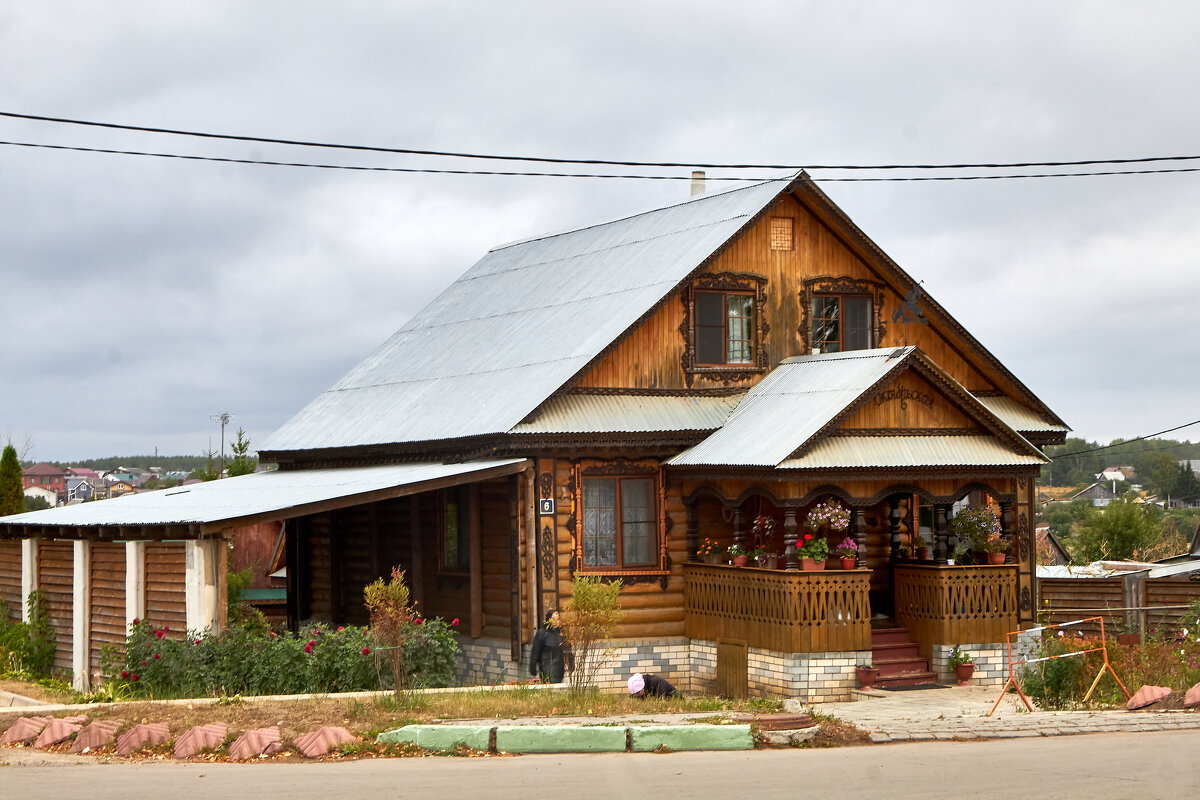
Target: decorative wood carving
pixel 1026 599
pixel 1024 538
pixel 725 282
pixel 790 559
pixel 549 561
pixel 546 485
pixel 840 285
pixel 941 550
pixel 619 467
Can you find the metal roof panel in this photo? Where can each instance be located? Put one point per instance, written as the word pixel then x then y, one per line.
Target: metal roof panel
pixel 629 414
pixel 861 452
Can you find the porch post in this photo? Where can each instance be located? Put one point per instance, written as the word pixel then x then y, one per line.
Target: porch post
pixel 858 528
pixel 693 532
pixel 894 523
pixel 790 562
pixel 739 527
pixel 941 548
pixel 1006 529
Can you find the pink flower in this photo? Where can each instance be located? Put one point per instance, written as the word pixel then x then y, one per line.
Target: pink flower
pixel 133 677
pixel 273 634
pixel 308 647
pixel 341 628
pixel 454 624
pixel 143 662
pixel 124 673
pixel 366 651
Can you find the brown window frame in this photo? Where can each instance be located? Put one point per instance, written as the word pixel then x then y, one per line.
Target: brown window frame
pixel 725 338
pixel 619 471
pixel 726 284
pixel 841 297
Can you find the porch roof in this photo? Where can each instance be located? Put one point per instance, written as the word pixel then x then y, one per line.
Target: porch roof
pixel 576 413
pixel 281 494
pixel 861 452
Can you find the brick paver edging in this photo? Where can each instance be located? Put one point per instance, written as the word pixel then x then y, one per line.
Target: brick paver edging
pixel 574 738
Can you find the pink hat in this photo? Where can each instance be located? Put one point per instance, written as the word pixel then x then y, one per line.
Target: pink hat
pixel 636 683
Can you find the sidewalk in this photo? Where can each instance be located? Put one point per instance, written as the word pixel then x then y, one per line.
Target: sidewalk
pixel 960 712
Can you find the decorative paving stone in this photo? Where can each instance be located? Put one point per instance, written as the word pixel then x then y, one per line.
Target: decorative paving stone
pixel 321 741
pixel 1147 696
pixel 99 734
pixel 201 737
pixel 24 729
pixel 1192 698
pixel 139 736
pixel 56 730
pixel 262 741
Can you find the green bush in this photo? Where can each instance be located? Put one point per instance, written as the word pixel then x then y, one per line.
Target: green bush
pixel 27 648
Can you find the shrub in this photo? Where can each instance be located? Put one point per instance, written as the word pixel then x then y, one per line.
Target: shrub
pixel 392 615
pixel 27 648
pixel 590 618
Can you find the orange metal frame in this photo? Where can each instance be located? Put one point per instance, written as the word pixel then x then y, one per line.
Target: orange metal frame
pixel 1012 678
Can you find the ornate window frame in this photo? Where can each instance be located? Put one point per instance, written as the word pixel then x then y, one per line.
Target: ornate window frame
pixel 842 285
pixel 731 282
pixel 621 468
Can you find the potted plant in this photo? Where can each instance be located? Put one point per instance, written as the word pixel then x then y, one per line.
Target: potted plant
pixel 847 551
pixel 994 546
pixel 829 513
pixel 813 553
pixel 738 554
pixel 867 675
pixel 971 527
pixel 921 548
pixel 763 557
pixel 710 552
pixel 963 665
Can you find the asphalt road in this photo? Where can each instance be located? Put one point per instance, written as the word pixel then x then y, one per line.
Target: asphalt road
pixel 1120 765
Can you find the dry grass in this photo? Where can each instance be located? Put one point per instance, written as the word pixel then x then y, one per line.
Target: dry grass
pixel 33 690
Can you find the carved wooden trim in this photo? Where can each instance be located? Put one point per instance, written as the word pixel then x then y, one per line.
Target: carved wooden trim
pixel 875 432
pixel 621 467
pixel 725 282
pixel 546 485
pixel 840 285
pixel 548 555
pixel 630 391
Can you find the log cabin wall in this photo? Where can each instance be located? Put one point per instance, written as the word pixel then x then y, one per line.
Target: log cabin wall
pixel 650 357
pixel 55 580
pixel 166 598
pixel 10 578
pixel 107 607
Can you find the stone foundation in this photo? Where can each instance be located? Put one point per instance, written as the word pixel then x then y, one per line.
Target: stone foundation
pixel 991 663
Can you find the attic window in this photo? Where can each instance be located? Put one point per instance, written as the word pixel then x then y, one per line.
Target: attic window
pixel 781 233
pixel 724 328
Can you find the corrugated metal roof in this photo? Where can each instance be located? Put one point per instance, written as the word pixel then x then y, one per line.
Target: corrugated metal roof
pixel 621 414
pixel 517 326
pixel 1019 417
pixel 248 495
pixel 883 452
pixel 790 405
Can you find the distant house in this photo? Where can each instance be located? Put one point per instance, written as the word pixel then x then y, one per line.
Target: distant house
pixel 79 489
pixel 1099 493
pixel 118 488
pixel 51 496
pixel 1050 551
pixel 1117 474
pixel 81 472
pixel 44 476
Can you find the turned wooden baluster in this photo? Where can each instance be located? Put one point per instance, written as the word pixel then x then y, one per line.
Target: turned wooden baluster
pixel 894 521
pixel 739 528
pixel 858 526
pixel 1006 530
pixel 941 545
pixel 693 533
pixel 790 561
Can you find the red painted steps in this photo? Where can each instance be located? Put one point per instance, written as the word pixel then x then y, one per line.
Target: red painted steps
pixel 896 657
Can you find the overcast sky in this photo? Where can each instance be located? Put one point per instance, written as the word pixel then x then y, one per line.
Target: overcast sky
pixel 140 296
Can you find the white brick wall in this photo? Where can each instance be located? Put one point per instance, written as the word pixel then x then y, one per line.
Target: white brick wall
pixel 991 663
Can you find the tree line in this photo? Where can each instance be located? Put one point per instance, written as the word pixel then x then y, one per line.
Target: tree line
pixel 1156 461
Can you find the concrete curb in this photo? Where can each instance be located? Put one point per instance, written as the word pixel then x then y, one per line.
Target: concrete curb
pixel 575 738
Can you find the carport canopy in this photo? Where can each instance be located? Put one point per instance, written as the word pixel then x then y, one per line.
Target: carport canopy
pixel 202 509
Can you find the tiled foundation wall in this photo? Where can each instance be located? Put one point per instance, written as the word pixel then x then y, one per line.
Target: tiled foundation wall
pixel 484 662
pixel 991 663
pixel 815 677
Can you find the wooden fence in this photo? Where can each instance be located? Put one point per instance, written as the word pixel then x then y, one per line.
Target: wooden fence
pixel 789 612
pixel 1130 602
pixel 956 605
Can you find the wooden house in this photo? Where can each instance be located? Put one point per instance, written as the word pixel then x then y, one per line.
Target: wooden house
pixel 602 402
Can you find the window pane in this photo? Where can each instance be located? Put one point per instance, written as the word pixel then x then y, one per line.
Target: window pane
pixel 600 522
pixel 637 541
pixel 709 308
pixel 637 518
pixel 741 338
pixel 710 347
pixel 826 324
pixel 856 326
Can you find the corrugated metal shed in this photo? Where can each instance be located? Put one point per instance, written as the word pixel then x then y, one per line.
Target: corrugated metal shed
pixel 882 452
pixel 1020 417
pixel 625 414
pixel 790 405
pixel 518 325
pixel 254 495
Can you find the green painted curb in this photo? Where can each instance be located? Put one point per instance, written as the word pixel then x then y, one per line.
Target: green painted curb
pixel 559 739
pixel 440 737
pixel 691 737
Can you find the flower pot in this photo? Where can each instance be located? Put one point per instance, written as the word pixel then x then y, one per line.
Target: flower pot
pixel 995 558
pixel 847 563
pixel 715 558
pixel 768 561
pixel 741 561
pixel 867 676
pixel 963 673
pixel 809 565
pixel 922 554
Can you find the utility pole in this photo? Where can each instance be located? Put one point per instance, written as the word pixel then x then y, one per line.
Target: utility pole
pixel 223 418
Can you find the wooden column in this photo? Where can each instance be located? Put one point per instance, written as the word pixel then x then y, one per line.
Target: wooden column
pixel 476 561
pixel 416 574
pixel 693 533
pixel 790 560
pixel 739 527
pixel 858 529
pixel 941 545
pixel 894 526
pixel 1006 530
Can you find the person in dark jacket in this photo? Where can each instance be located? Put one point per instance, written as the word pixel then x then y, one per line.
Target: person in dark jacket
pixel 649 686
pixel 546 659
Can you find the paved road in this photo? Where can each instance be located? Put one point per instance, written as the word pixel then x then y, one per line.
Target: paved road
pixel 1119 765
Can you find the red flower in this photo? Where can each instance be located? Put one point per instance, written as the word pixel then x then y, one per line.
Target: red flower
pixel 273 634
pixel 197 641
pixel 124 673
pixel 418 621
pixel 166 627
pixel 135 620
pixel 366 651
pixel 133 677
pixel 312 643
pixel 341 628
pixel 159 634
pixel 454 624
pixel 308 648
pixel 156 655
pixel 807 536
pixel 143 662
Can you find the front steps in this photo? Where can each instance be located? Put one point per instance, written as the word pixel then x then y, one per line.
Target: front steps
pixel 896 657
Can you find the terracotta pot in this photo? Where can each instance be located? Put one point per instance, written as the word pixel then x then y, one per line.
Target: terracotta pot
pixel 809 565
pixel 922 554
pixel 768 562
pixel 963 673
pixel 866 677
pixel 847 563
pixel 715 558
pixel 741 561
pixel 995 558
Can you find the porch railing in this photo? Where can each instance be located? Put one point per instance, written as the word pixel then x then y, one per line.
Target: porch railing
pixel 956 605
pixel 790 612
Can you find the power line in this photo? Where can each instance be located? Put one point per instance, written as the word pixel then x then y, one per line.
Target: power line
pixel 532 174
pixel 588 161
pixel 1127 441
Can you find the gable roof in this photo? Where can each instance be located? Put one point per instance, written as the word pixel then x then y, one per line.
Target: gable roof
pixel 531 316
pixel 805 397
pixel 42 468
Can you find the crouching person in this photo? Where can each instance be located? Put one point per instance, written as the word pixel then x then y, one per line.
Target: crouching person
pixel 650 686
